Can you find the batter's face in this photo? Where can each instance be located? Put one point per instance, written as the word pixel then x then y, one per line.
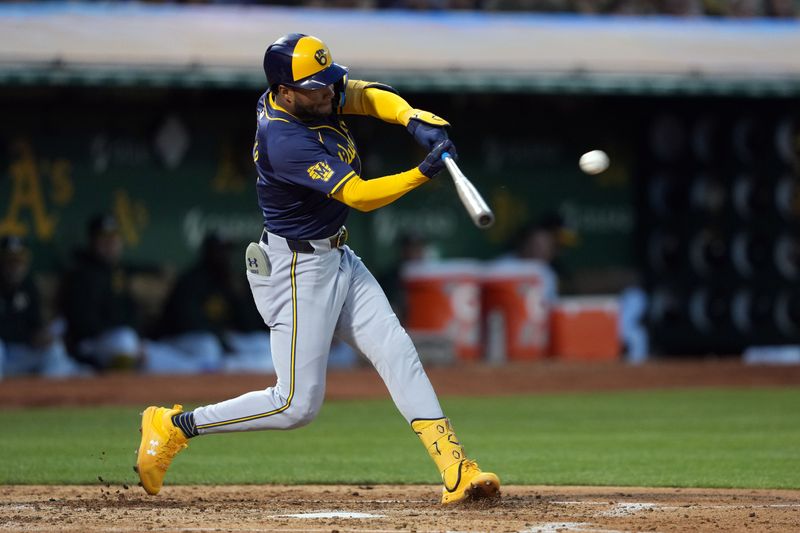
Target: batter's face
pixel 307 104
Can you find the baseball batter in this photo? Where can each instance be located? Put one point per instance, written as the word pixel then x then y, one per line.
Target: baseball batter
pixel 308 285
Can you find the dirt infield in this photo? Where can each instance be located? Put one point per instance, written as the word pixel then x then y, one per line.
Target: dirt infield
pixel 529 509
pixel 385 508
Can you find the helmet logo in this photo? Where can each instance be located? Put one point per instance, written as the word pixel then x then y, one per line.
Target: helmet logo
pixel 321 56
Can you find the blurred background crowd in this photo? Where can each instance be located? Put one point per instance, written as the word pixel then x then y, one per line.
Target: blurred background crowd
pixel 92 320
pixel 87 316
pixel 681 8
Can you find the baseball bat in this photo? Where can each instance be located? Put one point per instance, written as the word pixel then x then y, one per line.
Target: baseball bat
pixel 473 202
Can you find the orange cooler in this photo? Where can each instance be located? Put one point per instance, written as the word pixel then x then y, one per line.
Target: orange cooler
pixel 516 295
pixel 443 298
pixel 586 327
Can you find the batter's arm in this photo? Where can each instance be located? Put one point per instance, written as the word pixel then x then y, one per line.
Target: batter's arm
pixel 378 192
pixel 382 101
pixel 367 195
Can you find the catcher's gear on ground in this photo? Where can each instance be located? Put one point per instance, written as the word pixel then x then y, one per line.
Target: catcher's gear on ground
pixel 304 62
pixel 462 478
pixel 161 442
pixel 433 163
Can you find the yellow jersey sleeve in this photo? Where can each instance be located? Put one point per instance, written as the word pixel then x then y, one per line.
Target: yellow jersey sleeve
pixel 367 195
pixel 380 101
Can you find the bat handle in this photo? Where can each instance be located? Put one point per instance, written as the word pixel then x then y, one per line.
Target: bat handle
pixel 446 155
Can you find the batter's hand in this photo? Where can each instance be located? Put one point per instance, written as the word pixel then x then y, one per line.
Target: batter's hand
pixel 426 135
pixel 433 164
pixel 428 129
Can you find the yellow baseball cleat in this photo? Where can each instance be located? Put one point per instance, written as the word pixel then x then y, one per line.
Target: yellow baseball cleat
pixel 469 483
pixel 161 442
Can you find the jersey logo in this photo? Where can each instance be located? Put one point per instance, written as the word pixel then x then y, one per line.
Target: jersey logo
pixel 320 171
pixel 321 56
pixel 346 153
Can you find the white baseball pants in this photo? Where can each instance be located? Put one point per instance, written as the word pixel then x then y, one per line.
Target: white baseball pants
pixel 306 300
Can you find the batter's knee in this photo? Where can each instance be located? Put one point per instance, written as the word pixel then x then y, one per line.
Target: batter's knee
pixel 303 410
pixel 297 417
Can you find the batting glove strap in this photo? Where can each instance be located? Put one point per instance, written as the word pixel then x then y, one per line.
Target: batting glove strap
pixel 433 163
pixel 425 134
pixel 426 117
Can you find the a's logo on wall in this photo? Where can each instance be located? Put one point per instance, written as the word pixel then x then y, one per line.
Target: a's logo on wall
pixel 321 56
pixel 320 171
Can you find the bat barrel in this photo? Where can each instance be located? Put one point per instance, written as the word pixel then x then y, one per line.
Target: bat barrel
pixel 479 212
pixel 486 220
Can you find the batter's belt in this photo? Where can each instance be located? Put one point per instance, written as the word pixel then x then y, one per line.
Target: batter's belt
pixel 306 247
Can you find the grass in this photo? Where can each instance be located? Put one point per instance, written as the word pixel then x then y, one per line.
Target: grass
pixel 698 438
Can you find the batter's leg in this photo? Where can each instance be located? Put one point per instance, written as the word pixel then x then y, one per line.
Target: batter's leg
pixel 369 324
pixel 300 302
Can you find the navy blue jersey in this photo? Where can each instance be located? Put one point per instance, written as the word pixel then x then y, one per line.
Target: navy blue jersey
pixel 300 166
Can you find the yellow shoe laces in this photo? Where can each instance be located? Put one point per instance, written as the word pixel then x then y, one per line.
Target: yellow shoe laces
pixel 468 465
pixel 170 449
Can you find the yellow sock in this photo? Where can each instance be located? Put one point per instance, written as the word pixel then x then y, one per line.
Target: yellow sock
pixel 443 446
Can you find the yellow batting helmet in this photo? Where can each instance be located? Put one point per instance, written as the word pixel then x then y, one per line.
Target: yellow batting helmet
pixel 302 61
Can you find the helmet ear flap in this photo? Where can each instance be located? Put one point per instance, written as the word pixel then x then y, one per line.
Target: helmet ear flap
pixel 340 91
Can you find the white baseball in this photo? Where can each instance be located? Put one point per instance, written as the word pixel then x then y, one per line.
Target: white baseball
pixel 594 162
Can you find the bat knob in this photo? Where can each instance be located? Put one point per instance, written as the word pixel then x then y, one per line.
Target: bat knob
pixel 445 155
